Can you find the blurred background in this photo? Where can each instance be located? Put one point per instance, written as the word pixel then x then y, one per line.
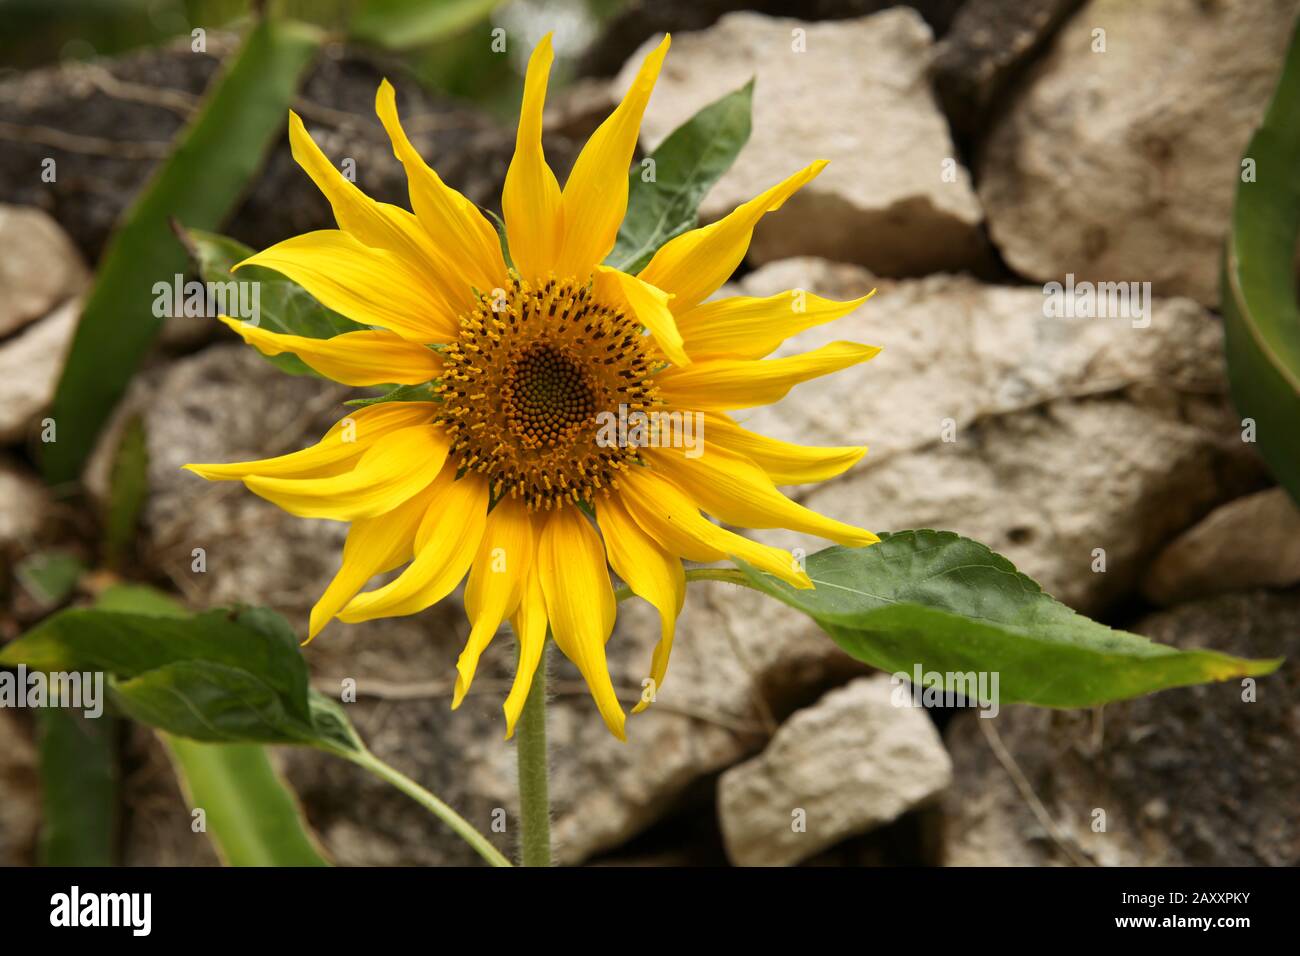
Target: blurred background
pixel 980 149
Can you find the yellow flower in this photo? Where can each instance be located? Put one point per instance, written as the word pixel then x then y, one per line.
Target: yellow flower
pixel 508 477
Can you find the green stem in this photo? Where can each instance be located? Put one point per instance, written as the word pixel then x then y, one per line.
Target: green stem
pixel 534 796
pixel 462 827
pixel 727 575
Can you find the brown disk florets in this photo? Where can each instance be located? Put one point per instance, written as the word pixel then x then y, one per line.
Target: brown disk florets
pixel 525 386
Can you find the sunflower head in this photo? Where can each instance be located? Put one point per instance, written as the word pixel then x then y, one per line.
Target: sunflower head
pixel 508 479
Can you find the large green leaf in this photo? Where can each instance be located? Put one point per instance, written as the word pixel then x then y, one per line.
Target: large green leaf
pixel 952 606
pixel 1261 321
pixel 79 788
pixel 250 814
pixel 686 165
pixel 225 676
pixel 127 492
pixel 402 24
pixel 283 305
pixel 213 160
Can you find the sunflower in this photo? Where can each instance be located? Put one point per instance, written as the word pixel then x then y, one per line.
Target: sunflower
pixel 504 475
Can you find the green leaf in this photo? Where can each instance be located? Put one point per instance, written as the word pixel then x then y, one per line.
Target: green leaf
pixel 402 393
pixel 49 577
pixel 402 24
pixel 283 305
pixel 1261 321
pixel 225 676
pixel 127 492
pixel 79 788
pixel 213 160
pixel 952 606
pixel 252 817
pixel 686 165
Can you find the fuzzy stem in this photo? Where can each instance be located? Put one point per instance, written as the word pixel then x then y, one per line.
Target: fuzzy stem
pixel 534 785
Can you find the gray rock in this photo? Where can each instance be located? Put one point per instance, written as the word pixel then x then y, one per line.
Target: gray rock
pixel 30 365
pixel 24 505
pixel 39 270
pixel 1068 434
pixel 856 96
pixel 1188 777
pixel 989 43
pixel 1251 542
pixel 850 763
pixel 1121 165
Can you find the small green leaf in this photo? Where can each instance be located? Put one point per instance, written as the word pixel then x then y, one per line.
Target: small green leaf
pixel 402 393
pixel 952 606
pixel 686 165
pixel 1261 319
pixel 225 676
pixel 128 489
pixel 79 788
pixel 252 817
pixel 49 577
pixel 402 24
pixel 283 305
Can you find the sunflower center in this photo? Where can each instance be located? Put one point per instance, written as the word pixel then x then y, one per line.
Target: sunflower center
pixel 527 383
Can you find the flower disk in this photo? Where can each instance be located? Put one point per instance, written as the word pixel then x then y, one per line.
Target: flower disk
pixel 525 381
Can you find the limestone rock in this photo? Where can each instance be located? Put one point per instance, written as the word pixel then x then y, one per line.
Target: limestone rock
pixel 853 92
pixel 851 762
pixel 39 270
pixel 24 504
pixel 1067 435
pixel 1121 165
pixel 1247 543
pixel 30 365
pixel 1196 776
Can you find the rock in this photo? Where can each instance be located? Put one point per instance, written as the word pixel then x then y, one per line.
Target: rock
pixel 30 364
pixel 139 101
pixel 1068 434
pixel 24 504
pixel 894 196
pixel 1188 777
pixel 990 41
pixel 20 792
pixel 39 270
pixel 1251 542
pixel 850 763
pixel 1121 165
pixel 640 20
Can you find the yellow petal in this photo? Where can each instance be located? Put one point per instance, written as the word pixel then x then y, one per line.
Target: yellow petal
pixel 740 383
pixel 353 358
pixel 467 246
pixel 695 264
pixel 580 604
pixel 669 516
pixel 376 224
pixel 742 327
pixel 529 625
pixel 343 443
pixel 785 464
pixel 735 490
pixel 595 195
pixel 367 285
pixel 530 200
pixel 373 546
pixel 648 304
pixel 396 467
pixel 652 573
pixel 445 545
pixel 496 583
